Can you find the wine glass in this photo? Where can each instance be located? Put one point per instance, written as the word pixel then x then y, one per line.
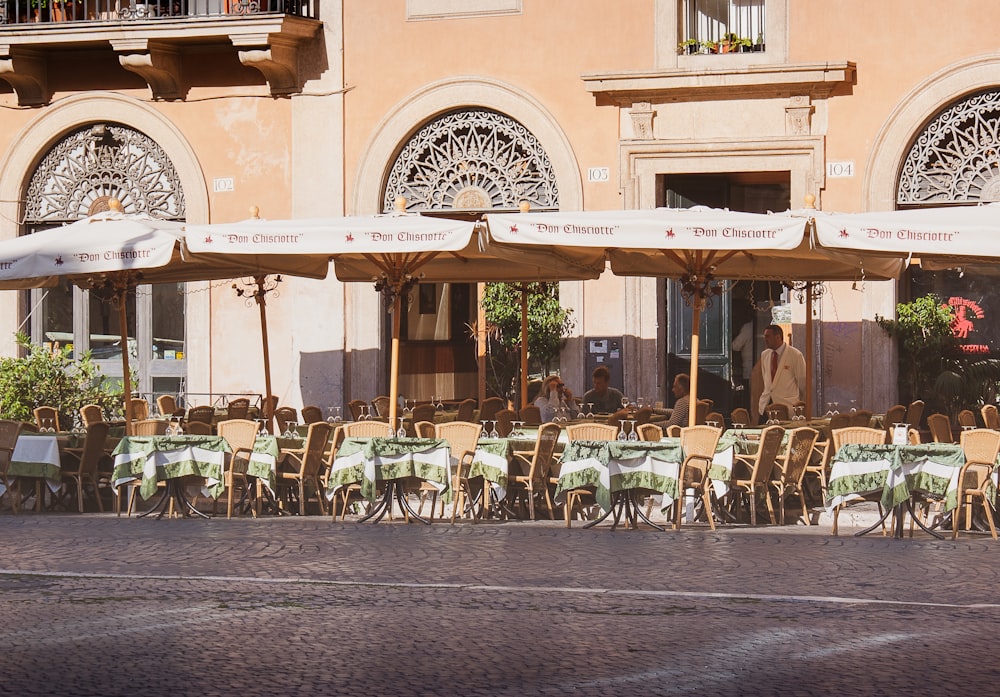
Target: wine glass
pixel 366 413
pixel 485 433
pixel 401 431
pixel 516 431
pixel 836 408
pixel 633 435
pixel 854 405
pixel 494 433
pixel 263 428
pixel 590 410
pixel 624 402
pixel 621 431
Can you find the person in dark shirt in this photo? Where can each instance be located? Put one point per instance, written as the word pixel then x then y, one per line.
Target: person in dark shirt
pixel 603 398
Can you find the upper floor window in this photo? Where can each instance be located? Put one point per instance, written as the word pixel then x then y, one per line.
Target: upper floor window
pixel 722 26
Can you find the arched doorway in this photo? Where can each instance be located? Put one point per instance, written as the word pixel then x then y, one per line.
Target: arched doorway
pixel 466 161
pixel 77 177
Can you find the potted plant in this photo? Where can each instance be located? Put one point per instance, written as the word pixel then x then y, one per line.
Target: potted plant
pixel 742 45
pixel 689 46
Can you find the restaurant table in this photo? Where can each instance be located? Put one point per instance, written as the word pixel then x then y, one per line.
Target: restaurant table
pixel 618 469
pixel 155 459
pixel 262 466
pixel 369 461
pixel 491 461
pixel 37 456
pixel 897 472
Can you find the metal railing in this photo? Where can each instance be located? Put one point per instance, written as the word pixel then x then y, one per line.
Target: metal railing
pixel 61 11
pixel 722 26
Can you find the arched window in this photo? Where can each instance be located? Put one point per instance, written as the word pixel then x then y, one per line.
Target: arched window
pixel 471 159
pixel 955 159
pixel 76 178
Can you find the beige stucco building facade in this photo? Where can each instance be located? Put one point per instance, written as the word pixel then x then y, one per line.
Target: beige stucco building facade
pixel 330 110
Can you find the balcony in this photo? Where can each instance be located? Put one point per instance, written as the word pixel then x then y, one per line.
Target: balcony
pixel 150 39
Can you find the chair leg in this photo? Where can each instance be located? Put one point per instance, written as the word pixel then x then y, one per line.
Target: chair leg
pixel 805 512
pixel 989 517
pixel 707 497
pixel 836 514
pixel 956 515
pixel 752 505
pixel 568 508
pixel 770 505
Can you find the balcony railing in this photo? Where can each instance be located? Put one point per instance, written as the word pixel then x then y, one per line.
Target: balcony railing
pixel 57 11
pixel 722 26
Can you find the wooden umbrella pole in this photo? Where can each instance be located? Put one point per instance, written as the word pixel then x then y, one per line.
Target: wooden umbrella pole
pixel 397 308
pixel 809 349
pixel 698 301
pixel 122 295
pixel 524 346
pixel 262 304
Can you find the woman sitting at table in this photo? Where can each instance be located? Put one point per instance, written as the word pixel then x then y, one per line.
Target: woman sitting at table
pixel 553 397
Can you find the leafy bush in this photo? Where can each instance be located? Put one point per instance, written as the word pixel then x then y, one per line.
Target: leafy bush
pixel 45 377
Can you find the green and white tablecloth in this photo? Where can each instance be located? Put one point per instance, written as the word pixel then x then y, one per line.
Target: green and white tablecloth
pixel 263 463
pixel 153 459
pixel 613 465
pixel 492 462
pixel 895 470
pixel 372 460
pixel 36 455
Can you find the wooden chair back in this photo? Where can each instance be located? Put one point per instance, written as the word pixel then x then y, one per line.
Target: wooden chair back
pixel 198 428
pixel 140 408
pixel 94 448
pixel 591 432
pixel 530 415
pixel 716 418
pixel 857 435
pixel 423 412
pixel 285 418
pixel 315 448
pixel 767 454
pixel 47 417
pixel 91 413
pixel 967 419
pixel 424 429
pixel 650 432
pixel 238 408
pixel 940 428
pixel 991 417
pixel 311 414
pixel 674 431
pixel 381 405
pixel 357 408
pixel 505 421
pixel 838 421
pixel 203 414
pixel 740 416
pixel 9 431
pixel 545 448
pixel 167 404
pixel 895 415
pixel 365 429
pixel 466 410
pixel 915 412
pixel 862 417
pixel 150 427
pixel 701 411
pixel 241 434
pixel 981 446
pixel 491 405
pixel 462 437
pixel 781 411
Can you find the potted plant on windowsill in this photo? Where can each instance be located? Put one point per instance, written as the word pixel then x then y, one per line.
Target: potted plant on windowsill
pixel 689 46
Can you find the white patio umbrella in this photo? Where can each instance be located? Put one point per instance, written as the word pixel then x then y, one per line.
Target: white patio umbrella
pixel 393 251
pixel 114 252
pixel 698 246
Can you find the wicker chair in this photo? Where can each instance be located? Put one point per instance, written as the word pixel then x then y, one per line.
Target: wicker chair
pixel 357 407
pixel 462 437
pixel 88 460
pixel 701 411
pixel 530 415
pixel 381 405
pixel 285 418
pixel 756 475
pixel 140 408
pixel 839 421
pixel 9 432
pixel 505 421
pixel 862 417
pixel 536 476
pixel 791 470
pixel 592 431
pixel 991 417
pixel 674 431
pixel 150 427
pixel 894 415
pixel 940 428
pixel 365 429
pixel 167 405
pixel 311 414
pixel 299 469
pixel 862 436
pixel 698 444
pixel 424 429
pixel 715 418
pixel 198 428
pixel 202 414
pixel 423 412
pixel 981 448
pixel 241 435
pixel 781 411
pixel 650 432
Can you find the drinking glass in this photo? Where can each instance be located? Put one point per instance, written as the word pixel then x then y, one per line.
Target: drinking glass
pixel 713 424
pixel 624 402
pixel 621 431
pixel 633 435
pixel 590 410
pixel 401 431
pixel 836 407
pixel 854 405
pixel 366 413
pixel 494 433
pixel 485 433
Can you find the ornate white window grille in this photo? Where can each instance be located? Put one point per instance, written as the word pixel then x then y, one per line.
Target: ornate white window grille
pixel 472 159
pixel 96 163
pixel 956 158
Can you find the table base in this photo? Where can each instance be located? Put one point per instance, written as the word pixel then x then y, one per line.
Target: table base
pixel 899 512
pixel 173 494
pixel 624 502
pixel 393 492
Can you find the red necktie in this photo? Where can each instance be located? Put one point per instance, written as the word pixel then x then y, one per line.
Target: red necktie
pixel 774 364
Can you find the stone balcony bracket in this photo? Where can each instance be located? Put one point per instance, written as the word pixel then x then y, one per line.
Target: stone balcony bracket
pixel 158 64
pixel 275 57
pixel 26 72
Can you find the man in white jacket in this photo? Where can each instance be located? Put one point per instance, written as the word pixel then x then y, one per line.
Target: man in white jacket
pixel 784 370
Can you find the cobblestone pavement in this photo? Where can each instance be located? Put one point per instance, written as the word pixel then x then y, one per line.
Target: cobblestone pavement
pixel 100 605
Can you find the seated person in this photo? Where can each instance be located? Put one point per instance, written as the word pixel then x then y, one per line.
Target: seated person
pixel 604 399
pixel 681 390
pixel 553 397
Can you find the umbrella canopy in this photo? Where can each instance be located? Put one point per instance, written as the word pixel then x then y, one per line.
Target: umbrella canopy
pixel 939 236
pixel 393 251
pixel 116 252
pixel 696 245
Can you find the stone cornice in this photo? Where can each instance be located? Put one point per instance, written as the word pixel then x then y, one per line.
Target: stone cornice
pixel 817 80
